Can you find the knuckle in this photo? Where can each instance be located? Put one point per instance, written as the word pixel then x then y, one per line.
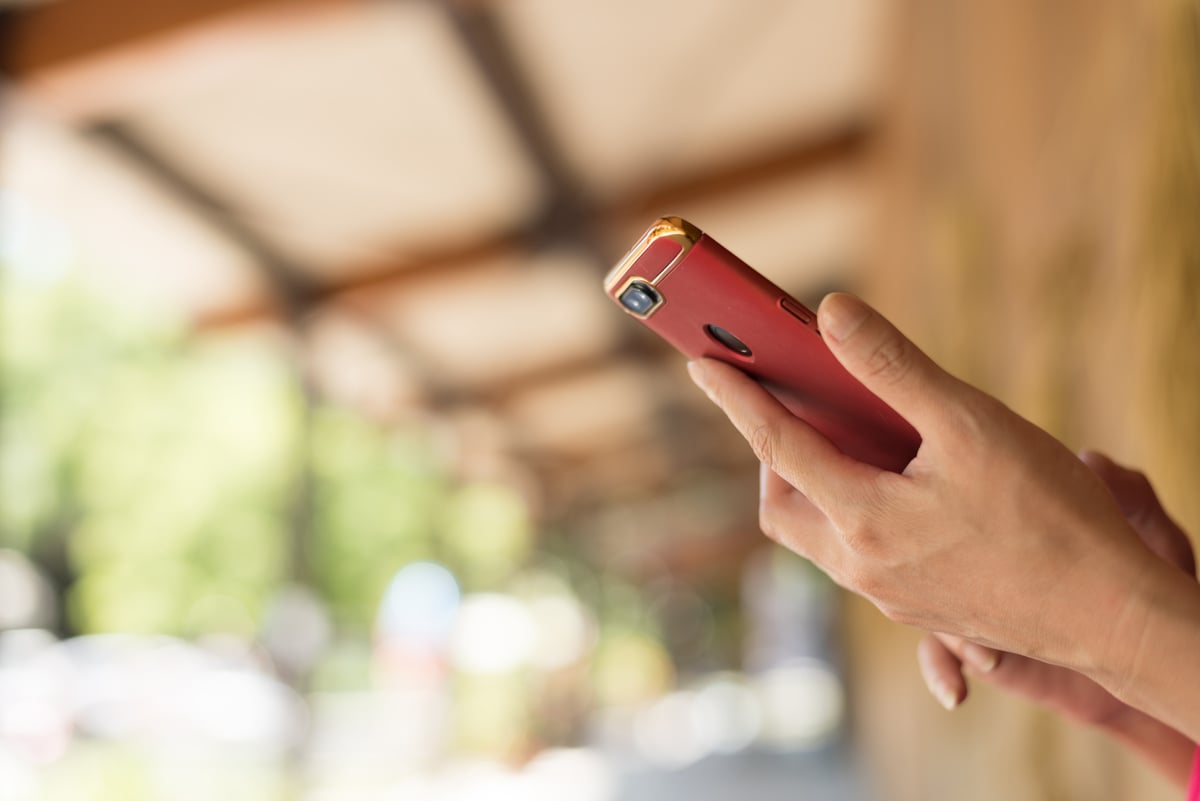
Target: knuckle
pixel 859 535
pixel 847 578
pixel 867 584
pixel 891 360
pixel 896 612
pixel 842 577
pixel 852 531
pixel 763 441
pixel 862 532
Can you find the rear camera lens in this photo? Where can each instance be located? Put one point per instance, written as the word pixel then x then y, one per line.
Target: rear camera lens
pixel 728 340
pixel 639 298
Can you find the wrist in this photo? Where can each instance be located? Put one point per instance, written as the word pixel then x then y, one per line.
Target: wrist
pixel 1097 624
pixel 1151 656
pixel 1112 658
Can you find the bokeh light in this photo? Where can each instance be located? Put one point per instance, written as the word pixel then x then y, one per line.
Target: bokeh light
pixel 26 598
pixel 803 704
pixel 419 606
pixel 493 634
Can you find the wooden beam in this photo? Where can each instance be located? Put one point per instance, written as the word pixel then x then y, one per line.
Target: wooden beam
pixel 291 293
pixel 53 34
pixel 840 145
pixel 414 267
pixel 91 59
pixel 567 210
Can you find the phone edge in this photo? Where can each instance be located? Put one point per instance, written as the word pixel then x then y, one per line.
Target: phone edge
pixel 676 229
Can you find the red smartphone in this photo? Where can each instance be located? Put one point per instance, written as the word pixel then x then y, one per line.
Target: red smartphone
pixel 706 301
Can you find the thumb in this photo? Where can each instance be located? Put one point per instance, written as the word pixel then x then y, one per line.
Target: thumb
pixel 884 360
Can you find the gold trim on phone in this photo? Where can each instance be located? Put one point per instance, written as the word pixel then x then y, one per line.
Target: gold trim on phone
pixel 675 229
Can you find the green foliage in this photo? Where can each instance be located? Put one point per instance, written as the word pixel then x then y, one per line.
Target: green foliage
pixel 165 468
pixel 379 497
pixel 163 462
pixel 488 533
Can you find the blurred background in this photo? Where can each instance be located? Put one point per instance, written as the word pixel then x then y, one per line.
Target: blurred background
pixel 327 471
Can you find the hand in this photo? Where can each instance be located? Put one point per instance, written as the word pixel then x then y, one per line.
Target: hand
pixel 943 658
pixel 995 533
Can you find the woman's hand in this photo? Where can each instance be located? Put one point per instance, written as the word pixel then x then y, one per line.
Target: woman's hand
pixel 944 660
pixel 995 533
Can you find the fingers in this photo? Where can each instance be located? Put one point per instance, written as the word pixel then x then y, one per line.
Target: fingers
pixel 942 671
pixel 789 446
pixel 1057 687
pixel 980 658
pixel 885 361
pixel 791 520
pixel 1035 680
pixel 1143 511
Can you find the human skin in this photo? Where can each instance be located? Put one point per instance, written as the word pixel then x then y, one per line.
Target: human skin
pixel 945 661
pixel 995 533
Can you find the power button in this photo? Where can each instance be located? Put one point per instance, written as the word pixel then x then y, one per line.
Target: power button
pixel 796 310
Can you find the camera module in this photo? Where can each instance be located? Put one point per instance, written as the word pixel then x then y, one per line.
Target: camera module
pixel 728 340
pixel 640 298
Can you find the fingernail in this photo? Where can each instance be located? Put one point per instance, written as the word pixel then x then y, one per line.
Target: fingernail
pixel 841 315
pixel 945 696
pixel 979 657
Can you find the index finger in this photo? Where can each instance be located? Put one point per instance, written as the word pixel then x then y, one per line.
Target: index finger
pixel 800 454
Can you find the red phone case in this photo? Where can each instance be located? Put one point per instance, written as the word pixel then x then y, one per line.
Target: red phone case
pixel 694 283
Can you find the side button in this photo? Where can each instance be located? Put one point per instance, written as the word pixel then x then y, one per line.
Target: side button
pixel 796 310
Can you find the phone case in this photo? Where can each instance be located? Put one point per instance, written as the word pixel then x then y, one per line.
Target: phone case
pixel 681 284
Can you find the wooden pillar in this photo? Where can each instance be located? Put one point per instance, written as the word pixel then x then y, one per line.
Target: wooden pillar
pixel 1037 235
